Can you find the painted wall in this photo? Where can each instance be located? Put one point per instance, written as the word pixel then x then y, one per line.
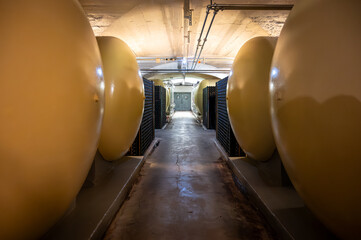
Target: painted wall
pixel 183 89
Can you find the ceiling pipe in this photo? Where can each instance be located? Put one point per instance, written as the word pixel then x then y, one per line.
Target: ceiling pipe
pixel 205 39
pixel 200 37
pixel 221 7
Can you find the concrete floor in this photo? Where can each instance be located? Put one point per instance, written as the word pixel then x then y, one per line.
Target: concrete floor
pixel 186 191
pixel 267 188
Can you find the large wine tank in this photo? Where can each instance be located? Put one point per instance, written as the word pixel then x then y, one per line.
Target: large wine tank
pixel 50 111
pixel 124 98
pixel 248 98
pixel 316 109
pixel 198 93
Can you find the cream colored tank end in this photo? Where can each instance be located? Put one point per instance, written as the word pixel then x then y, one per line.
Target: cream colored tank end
pixel 50 112
pixel 316 109
pixel 248 98
pixel 198 94
pixel 124 98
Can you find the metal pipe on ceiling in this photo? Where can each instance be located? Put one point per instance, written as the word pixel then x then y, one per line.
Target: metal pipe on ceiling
pixel 221 7
pixel 205 39
pixel 200 37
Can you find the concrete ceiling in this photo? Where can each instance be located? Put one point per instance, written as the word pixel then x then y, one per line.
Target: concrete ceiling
pixel 157 31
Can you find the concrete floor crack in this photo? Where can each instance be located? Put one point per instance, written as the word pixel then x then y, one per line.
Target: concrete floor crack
pixel 179 174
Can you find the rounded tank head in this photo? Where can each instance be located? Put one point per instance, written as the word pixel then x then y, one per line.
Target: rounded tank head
pixel 124 98
pixel 158 82
pixel 316 109
pixel 248 98
pixel 50 112
pixel 198 97
pixel 167 100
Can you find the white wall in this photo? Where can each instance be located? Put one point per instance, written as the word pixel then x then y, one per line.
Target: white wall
pixel 183 89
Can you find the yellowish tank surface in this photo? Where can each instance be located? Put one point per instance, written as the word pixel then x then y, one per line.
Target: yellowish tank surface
pixel 248 98
pixel 167 100
pixel 316 109
pixel 198 96
pixel 124 98
pixel 158 82
pixel 50 112
pixel 195 97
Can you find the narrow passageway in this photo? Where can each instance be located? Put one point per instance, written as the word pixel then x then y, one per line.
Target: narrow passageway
pixel 186 192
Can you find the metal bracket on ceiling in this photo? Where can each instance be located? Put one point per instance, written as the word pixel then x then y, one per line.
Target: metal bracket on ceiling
pixel 188 13
pixel 222 7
